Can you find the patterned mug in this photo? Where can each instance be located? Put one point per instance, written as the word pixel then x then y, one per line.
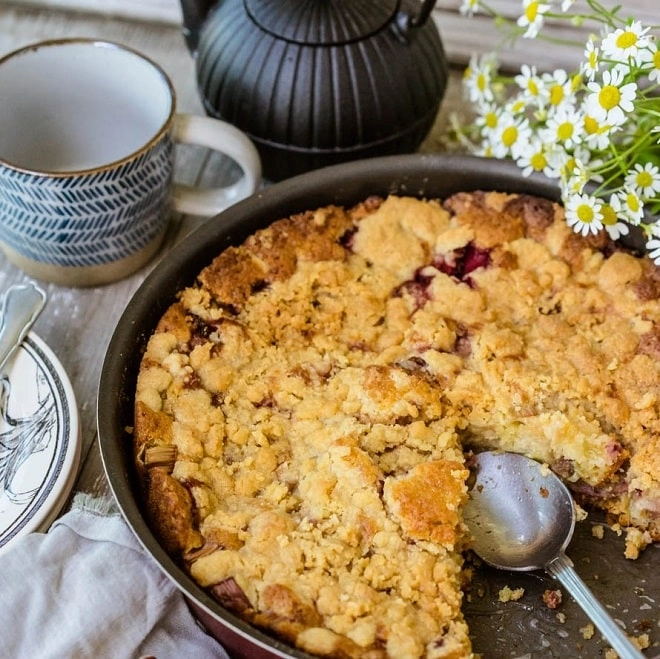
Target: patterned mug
pixel 87 134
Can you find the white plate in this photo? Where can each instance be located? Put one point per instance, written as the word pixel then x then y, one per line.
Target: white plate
pixel 39 440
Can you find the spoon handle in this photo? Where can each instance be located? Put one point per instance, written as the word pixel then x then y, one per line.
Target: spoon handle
pixel 21 305
pixel 562 569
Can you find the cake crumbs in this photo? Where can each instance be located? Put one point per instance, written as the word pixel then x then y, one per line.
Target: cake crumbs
pixel 598 531
pixel 588 631
pixel 636 541
pixel 507 594
pixel 552 598
pixel 580 513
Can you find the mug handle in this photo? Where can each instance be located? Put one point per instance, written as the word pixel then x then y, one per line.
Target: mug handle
pixel 227 139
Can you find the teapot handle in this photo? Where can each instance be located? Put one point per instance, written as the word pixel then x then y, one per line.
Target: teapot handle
pixel 194 14
pixel 405 22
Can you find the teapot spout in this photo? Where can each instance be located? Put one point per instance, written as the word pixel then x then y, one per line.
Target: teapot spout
pixel 194 14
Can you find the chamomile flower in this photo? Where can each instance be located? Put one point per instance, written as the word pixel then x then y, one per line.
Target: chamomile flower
pixel 626 44
pixel 477 79
pixel 559 88
pixel 564 127
pixel 532 86
pixel 488 118
pixel 628 206
pixel 517 105
pixel 653 244
pixel 596 134
pixel 536 156
pixel 613 225
pixel 511 136
pixel 532 17
pixel 654 59
pixel 485 149
pixel 591 63
pixel 609 101
pixel 575 171
pixel 595 129
pixel 469 7
pixel 584 214
pixel 644 180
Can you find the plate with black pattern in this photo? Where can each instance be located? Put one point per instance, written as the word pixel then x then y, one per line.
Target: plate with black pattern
pixel 39 440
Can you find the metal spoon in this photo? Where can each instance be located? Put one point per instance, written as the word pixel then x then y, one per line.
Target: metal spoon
pixel 522 517
pixel 21 306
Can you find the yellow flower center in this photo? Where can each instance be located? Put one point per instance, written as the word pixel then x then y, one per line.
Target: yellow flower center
pixel 585 213
pixel 593 59
pixel 656 59
pixel 482 83
pixel 644 179
pixel 565 131
pixel 590 125
pixel 556 94
pixel 626 40
pixel 538 162
pixel 576 81
pixel 609 97
pixel 509 136
pixel 532 11
pixel 532 87
pixel 490 119
pixel 609 215
pixel 632 201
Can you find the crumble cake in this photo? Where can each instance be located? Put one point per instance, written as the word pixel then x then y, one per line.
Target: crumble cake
pixel 303 411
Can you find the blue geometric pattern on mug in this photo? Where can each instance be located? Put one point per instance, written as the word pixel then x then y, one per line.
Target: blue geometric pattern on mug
pixel 87 219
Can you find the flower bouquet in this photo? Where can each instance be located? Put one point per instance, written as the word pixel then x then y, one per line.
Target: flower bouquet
pixel 595 129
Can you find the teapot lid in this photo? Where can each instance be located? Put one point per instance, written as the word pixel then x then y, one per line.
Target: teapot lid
pixel 322 22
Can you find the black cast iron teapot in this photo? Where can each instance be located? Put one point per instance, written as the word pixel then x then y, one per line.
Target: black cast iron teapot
pixel 319 82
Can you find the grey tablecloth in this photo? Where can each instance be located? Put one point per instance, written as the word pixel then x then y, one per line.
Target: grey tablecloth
pixel 87 589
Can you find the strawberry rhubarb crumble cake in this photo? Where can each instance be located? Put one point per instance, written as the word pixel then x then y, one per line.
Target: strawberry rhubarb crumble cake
pixel 304 410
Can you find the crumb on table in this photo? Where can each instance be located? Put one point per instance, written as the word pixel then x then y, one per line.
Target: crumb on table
pixel 507 594
pixel 552 598
pixel 588 631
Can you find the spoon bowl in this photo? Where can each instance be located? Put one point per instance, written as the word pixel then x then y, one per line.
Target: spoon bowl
pixel 520 514
pixel 521 517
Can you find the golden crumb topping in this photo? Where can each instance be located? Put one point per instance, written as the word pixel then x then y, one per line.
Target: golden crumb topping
pixel 303 409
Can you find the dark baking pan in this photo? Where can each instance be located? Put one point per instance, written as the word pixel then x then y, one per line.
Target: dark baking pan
pixel 526 627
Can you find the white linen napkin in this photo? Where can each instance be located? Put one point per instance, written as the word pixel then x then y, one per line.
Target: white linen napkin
pixel 87 589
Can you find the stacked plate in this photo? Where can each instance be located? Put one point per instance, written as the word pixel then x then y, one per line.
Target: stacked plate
pixel 39 440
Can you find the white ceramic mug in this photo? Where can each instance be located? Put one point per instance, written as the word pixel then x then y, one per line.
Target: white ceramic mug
pixel 87 134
